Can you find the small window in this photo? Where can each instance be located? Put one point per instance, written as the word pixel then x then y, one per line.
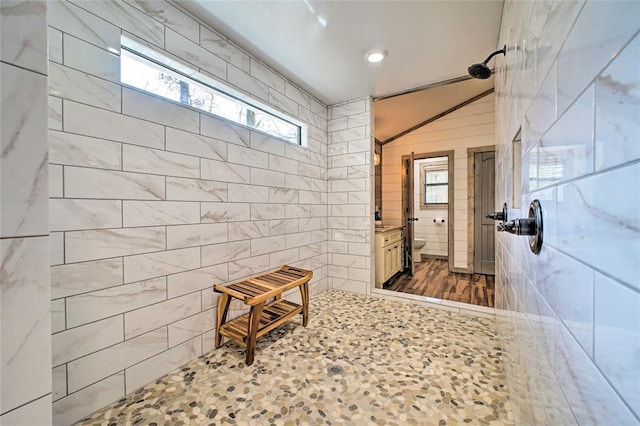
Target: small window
pixel 148 70
pixel 436 186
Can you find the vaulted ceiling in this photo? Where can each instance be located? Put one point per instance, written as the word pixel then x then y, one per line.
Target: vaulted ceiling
pixel 320 45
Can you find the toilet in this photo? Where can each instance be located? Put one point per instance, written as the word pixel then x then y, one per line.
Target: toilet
pixel 418 243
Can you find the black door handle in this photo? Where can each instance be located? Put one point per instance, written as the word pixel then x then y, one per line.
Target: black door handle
pixel 412 219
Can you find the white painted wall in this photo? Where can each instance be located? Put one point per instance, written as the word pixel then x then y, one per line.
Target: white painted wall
pixel 570 319
pixel 436 233
pixel 468 127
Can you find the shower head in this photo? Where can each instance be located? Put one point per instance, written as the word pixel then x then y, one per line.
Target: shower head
pixel 482 71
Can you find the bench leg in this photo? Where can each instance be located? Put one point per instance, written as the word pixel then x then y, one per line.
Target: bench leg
pixel 254 322
pixel 304 295
pixel 223 308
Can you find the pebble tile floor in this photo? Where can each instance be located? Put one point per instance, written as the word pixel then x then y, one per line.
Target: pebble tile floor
pixel 360 361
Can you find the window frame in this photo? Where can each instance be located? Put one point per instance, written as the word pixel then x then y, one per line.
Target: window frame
pixel 424 169
pixel 161 59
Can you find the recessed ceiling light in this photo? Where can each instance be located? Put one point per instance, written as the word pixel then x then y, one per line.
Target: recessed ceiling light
pixel 375 55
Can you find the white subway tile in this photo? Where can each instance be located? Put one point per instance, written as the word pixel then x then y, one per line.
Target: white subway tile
pixel 597 222
pixel 152 213
pixel 86 26
pixel 101 244
pixel 92 60
pixel 266 75
pixel 146 160
pixel 267 143
pixel 618 109
pixel 23 164
pixel 282 164
pixel 58 314
pixel 169 16
pixel 59 382
pixel 346 109
pixel 225 172
pixel 55 45
pixel 280 101
pixel 593 41
pixel 195 190
pixel 68 214
pixel 284 257
pixel 91 183
pixel 220 253
pixel 160 314
pixel 248 157
pixel 147 371
pixel 55 113
pixel 80 341
pixel 196 235
pixel 55 181
pixel 224 212
pixel 26 320
pixel 283 226
pixel 34 412
pixel 80 87
pixel 145 266
pixel 192 144
pixel 267 245
pixel 76 278
pixel 85 308
pixel 191 327
pixel 56 247
pixel 75 150
pixel 248 230
pixel 24 36
pixel 268 211
pixel 86 401
pixel 85 120
pixel 590 396
pixel 99 365
pixel 224 130
pixel 251 266
pixel 282 195
pixel 128 18
pixel 159 110
pixel 267 178
pixel 248 193
pixel 196 280
pixel 222 48
pixel 247 83
pixel 617 337
pixel 194 54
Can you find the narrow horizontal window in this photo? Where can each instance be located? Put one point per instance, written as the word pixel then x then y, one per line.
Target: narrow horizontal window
pixel 149 70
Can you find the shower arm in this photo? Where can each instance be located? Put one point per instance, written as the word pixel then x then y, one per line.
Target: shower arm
pixel 503 51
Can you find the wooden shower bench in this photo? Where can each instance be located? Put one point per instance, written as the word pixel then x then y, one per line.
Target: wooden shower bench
pixel 255 292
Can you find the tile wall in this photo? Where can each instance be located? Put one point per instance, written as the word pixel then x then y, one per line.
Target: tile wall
pixel 350 179
pixel 570 317
pixel 152 202
pixel 469 127
pixel 25 354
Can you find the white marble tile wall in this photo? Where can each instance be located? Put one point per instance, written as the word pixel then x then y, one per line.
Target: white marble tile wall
pixel 25 303
pixel 571 314
pixel 350 195
pixel 153 203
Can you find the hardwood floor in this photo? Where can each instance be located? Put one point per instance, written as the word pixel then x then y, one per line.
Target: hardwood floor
pixel 433 279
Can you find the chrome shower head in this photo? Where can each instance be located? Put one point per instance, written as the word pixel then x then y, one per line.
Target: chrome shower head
pixel 482 71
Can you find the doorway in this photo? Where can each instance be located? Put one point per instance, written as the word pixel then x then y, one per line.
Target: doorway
pixel 427 206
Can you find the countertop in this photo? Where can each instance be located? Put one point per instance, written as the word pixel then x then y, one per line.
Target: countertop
pixel 386 228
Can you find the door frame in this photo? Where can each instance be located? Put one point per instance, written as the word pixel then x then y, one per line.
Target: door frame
pixel 450 204
pixel 471 204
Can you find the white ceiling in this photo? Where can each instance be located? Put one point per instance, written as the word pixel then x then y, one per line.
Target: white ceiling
pixel 320 45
